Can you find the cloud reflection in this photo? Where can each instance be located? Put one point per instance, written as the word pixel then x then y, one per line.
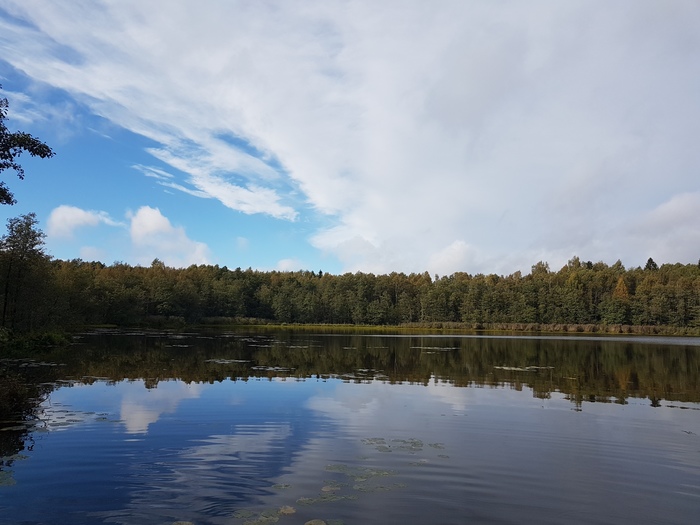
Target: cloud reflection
pixel 141 407
pixel 375 400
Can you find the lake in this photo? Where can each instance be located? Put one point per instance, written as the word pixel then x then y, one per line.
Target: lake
pixel 286 427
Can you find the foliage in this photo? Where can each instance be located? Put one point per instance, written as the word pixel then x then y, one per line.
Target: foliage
pixel 40 294
pixel 12 145
pixel 581 294
pixel 25 276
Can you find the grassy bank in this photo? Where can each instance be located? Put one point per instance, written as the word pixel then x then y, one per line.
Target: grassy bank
pixel 459 328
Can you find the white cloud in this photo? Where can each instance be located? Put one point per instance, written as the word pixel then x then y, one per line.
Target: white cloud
pixel 669 232
pixel 289 265
pixel 456 255
pixel 680 211
pixel 64 220
pixel 153 236
pixel 91 253
pixel 519 129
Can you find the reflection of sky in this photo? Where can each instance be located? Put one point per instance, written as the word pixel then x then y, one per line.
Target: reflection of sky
pixel 199 452
pixel 135 405
pixel 141 407
pixel 526 452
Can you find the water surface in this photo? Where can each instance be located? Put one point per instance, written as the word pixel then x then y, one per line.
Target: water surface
pixel 250 428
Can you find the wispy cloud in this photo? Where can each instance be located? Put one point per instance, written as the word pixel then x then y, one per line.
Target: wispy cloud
pixel 154 173
pixel 209 175
pixel 453 136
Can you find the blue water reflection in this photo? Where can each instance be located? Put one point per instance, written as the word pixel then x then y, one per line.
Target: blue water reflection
pixel 291 449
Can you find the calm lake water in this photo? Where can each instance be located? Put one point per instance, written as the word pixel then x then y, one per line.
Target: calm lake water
pixel 258 428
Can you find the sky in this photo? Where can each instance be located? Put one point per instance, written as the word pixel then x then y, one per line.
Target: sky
pixel 343 136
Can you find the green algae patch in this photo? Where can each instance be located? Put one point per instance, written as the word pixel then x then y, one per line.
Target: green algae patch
pixel 380 444
pixel 263 517
pixel 374 441
pixel 262 520
pixel 325 498
pixel 409 444
pixel 379 488
pixel 359 473
pixel 6 479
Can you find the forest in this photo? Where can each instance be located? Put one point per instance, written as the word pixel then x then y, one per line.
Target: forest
pixel 40 293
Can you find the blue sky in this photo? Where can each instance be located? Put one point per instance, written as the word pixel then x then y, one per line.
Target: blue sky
pixel 354 135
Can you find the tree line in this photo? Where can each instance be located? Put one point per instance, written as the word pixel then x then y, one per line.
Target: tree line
pixel 39 292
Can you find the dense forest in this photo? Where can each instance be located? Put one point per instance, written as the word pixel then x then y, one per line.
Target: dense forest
pixel 39 293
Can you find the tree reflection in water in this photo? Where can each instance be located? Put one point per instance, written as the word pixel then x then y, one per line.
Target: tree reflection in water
pixel 584 369
pixel 238 444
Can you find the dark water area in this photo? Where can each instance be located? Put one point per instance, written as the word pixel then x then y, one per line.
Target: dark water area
pixel 285 427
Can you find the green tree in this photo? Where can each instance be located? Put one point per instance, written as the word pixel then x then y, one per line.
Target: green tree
pixel 616 309
pixel 12 145
pixel 23 265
